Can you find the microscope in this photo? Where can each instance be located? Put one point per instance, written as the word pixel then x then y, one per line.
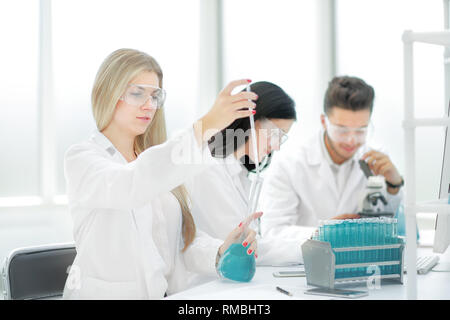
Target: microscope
pixel 373 202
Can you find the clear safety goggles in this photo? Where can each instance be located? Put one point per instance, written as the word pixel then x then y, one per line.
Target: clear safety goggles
pixel 276 136
pixel 347 134
pixel 138 95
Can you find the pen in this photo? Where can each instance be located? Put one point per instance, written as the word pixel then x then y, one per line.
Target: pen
pixel 284 291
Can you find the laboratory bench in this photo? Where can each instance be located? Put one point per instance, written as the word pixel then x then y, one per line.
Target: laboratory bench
pixel 433 285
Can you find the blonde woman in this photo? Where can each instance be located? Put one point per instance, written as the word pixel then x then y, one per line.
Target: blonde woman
pixel 133 229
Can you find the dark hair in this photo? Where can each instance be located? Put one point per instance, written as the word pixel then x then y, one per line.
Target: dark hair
pixel 349 93
pixel 272 103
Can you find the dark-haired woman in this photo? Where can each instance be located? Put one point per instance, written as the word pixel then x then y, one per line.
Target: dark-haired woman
pixel 220 195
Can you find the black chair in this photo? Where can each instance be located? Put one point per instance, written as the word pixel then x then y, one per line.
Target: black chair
pixel 38 272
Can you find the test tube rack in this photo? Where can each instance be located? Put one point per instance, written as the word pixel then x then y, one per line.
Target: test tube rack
pixel 326 266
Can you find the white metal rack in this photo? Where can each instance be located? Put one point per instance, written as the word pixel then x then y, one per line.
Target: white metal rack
pixel 410 123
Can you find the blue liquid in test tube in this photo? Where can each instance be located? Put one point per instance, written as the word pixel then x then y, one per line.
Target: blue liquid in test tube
pixel 333 235
pixel 359 240
pixel 384 240
pixel 377 239
pixel 389 240
pixel 346 244
pixel 395 237
pixel 352 243
pixel 371 226
pixel 326 232
pixel 366 241
pixel 340 240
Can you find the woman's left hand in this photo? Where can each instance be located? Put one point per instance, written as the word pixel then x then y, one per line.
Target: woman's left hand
pixel 250 239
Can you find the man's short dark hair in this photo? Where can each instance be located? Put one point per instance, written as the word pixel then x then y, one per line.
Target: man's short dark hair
pixel 349 93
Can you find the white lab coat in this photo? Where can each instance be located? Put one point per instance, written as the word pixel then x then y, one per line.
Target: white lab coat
pixel 127 224
pixel 300 189
pixel 219 198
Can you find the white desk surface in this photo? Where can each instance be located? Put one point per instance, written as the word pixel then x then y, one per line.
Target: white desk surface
pixel 433 285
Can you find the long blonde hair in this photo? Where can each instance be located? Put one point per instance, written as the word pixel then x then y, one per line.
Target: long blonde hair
pixel 116 71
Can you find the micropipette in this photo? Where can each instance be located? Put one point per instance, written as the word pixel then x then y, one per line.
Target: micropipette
pixel 256 184
pixel 237 263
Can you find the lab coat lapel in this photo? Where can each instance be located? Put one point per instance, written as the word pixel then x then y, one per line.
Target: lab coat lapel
pixel 350 186
pixel 233 169
pixel 327 176
pixel 316 158
pixel 353 180
pixel 240 188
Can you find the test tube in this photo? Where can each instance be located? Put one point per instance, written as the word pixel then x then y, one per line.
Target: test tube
pixel 366 239
pixel 381 253
pixel 332 228
pixel 377 238
pixel 396 251
pixel 395 238
pixel 326 232
pixel 352 243
pixel 346 227
pixel 343 228
pixel 360 227
pixel 333 235
pixel 384 240
pixel 338 243
pixel 321 233
pixel 389 240
pixel 339 234
pixel 372 239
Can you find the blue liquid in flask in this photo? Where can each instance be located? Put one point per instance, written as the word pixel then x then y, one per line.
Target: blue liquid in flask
pixel 236 264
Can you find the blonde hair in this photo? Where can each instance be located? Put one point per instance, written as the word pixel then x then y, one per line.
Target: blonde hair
pixel 115 73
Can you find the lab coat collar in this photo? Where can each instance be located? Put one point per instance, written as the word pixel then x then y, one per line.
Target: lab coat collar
pixel 233 165
pixel 234 169
pixel 314 153
pixel 100 139
pixel 324 150
pixel 317 155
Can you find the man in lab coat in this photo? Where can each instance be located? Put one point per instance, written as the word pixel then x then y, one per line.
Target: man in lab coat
pixel 322 179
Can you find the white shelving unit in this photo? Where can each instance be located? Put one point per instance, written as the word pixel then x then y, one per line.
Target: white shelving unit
pixel 441 38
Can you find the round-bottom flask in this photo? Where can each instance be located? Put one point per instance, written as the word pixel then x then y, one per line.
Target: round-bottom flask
pixel 235 264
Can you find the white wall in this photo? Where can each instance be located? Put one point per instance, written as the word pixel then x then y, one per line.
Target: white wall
pixel 369 46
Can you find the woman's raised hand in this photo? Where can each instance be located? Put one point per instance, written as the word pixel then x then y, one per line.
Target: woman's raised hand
pixel 227 108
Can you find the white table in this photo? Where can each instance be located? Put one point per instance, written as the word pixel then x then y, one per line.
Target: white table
pixel 433 285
